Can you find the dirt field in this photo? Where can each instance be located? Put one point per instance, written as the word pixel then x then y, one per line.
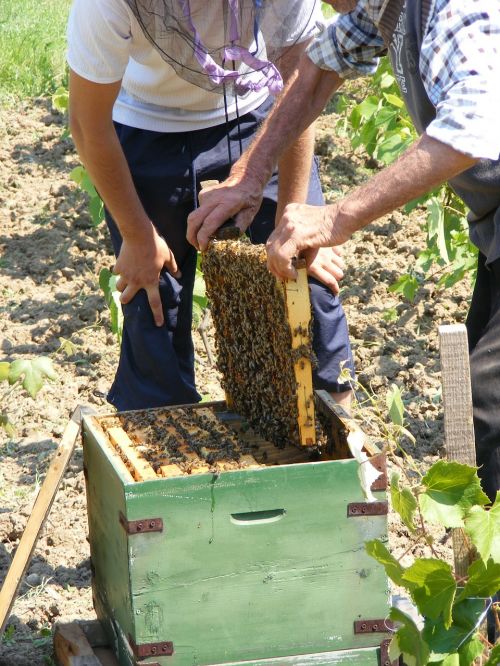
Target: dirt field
pixel 50 257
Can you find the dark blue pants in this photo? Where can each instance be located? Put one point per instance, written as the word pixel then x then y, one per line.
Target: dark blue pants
pixel 483 328
pixel 156 364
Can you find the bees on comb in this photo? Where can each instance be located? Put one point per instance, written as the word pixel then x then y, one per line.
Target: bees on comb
pixel 253 339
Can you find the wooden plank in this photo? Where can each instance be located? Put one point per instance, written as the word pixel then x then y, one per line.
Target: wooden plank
pixel 360 657
pixel 38 516
pixel 118 463
pixel 141 469
pixel 106 657
pixel 342 419
pixel 299 316
pixel 458 421
pixel 71 647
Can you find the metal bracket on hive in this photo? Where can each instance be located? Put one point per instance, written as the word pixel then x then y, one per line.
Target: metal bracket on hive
pixel 299 316
pixel 360 509
pixel 379 626
pixel 141 526
pixel 144 650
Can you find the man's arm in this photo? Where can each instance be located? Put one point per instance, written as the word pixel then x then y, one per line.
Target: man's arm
pixel 240 195
pixel 294 172
pixel 425 165
pixel 143 253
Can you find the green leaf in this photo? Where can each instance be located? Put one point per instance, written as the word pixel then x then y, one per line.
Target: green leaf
pixel 379 552
pixel 105 276
pixel 116 314
pixel 406 285
pixel 403 502
pixel 368 106
pixel 433 588
pixel 60 99
pixel 32 372
pixel 451 491
pixel 96 210
pixel 395 405
pixel 441 641
pixel 80 176
pixel 470 651
pixel 494 657
pixel 391 148
pixel 4 370
pixel 483 527
pixel 408 641
pixel 484 580
pixel 394 100
pixel 7 425
pixel 436 226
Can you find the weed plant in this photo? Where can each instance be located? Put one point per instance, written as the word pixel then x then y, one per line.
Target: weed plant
pixel 32 47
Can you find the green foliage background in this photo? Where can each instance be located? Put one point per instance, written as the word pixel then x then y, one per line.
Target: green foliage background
pixel 32 47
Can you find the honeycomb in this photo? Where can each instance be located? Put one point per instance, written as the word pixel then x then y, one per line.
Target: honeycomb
pixel 253 339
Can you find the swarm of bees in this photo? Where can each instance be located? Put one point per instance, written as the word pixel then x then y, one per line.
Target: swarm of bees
pixel 253 339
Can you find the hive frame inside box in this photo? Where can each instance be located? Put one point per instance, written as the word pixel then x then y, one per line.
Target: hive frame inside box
pixel 255 566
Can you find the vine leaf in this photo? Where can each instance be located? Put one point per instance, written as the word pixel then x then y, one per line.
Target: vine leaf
pixel 395 405
pixel 444 642
pixel 483 527
pixel 379 552
pixel 407 641
pixel 33 373
pixel 404 502
pixel 451 491
pixel 470 651
pixel 432 587
pixel 494 657
pixel 484 580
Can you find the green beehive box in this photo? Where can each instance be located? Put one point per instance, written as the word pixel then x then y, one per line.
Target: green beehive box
pixel 246 566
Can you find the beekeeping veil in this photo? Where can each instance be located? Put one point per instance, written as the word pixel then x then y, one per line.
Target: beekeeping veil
pixel 216 44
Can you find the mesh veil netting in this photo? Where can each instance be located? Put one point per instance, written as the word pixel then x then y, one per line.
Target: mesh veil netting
pixel 214 44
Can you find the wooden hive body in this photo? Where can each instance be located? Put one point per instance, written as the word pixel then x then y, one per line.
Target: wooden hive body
pixel 258 565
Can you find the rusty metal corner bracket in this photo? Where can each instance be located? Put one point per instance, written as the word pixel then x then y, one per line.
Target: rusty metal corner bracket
pixel 373 626
pixel 359 509
pixel 385 660
pixel 141 526
pixel 162 649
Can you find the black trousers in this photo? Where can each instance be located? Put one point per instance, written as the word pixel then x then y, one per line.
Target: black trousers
pixel 483 327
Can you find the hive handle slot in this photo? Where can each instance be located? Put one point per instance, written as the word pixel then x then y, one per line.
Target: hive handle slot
pixel 258 517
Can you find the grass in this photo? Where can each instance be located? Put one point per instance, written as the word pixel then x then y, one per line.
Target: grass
pixel 32 47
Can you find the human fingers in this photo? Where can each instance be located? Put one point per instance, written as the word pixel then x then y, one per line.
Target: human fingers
pixel 128 293
pixel 325 276
pixel 280 258
pixel 121 283
pixel 171 264
pixel 153 293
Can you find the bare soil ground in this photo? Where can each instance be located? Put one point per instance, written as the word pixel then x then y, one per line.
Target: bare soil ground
pixel 50 304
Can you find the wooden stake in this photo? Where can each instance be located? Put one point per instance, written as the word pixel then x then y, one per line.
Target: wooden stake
pixel 299 315
pixel 39 513
pixel 458 422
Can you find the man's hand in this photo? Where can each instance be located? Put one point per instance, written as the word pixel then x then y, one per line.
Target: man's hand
pixel 139 265
pixel 303 227
pixel 326 265
pixel 239 198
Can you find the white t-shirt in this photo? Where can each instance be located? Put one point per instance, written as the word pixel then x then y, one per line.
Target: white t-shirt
pixel 106 44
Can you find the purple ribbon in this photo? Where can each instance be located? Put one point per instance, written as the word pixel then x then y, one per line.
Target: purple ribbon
pixel 264 74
